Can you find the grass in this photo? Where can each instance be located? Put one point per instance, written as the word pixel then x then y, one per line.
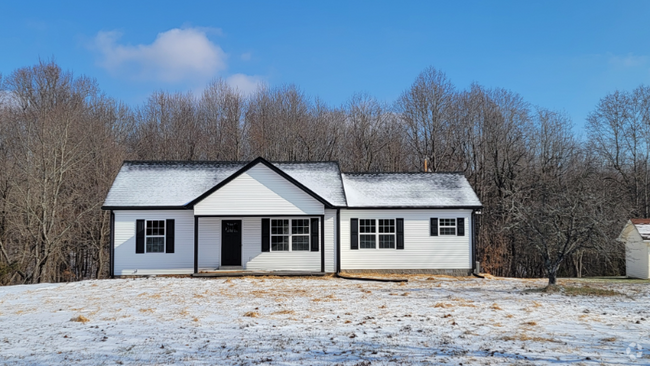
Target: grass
pixel 80 319
pixel 574 291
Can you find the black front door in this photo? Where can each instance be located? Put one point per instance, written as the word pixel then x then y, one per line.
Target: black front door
pixel 231 243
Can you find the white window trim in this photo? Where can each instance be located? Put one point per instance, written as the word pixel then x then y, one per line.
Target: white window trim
pixel 377 234
pixel 155 236
pixel 308 235
pixel 440 227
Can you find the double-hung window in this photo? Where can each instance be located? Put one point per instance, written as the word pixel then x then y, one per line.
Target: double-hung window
pixel 377 231
pixel 289 235
pixel 155 236
pixel 386 233
pixel 447 226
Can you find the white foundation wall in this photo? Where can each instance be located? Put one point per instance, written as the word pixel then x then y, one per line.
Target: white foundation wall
pixel 421 251
pixel 330 240
pixel 252 256
pixel 127 262
pixel 259 191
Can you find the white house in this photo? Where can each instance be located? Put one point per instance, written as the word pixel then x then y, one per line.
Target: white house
pixel 636 236
pixel 171 217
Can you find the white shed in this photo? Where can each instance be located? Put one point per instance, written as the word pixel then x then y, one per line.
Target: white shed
pixel 636 236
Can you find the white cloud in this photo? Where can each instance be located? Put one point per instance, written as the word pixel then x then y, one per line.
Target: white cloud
pixel 244 83
pixel 175 55
pixel 246 56
pixel 627 61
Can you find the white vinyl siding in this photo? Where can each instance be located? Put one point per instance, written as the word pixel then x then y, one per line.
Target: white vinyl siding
pixel 637 253
pixel 330 240
pixel 127 262
pixel 259 191
pixel 421 251
pixel 209 243
pixel 254 259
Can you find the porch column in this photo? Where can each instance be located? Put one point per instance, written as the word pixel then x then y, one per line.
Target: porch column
pixel 196 244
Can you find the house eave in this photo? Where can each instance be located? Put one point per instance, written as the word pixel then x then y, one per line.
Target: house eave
pixel 117 208
pixel 439 207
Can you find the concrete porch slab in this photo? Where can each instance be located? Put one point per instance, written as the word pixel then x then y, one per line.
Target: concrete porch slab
pixel 258 273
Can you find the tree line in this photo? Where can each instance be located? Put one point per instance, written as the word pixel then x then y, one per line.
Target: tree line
pixel 554 202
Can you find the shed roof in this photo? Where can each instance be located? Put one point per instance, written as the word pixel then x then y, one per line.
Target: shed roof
pixel 170 184
pixel 409 190
pixel 643 227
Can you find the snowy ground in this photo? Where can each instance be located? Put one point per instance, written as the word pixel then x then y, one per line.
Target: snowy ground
pixel 310 321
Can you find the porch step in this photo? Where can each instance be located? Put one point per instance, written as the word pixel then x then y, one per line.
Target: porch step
pixel 231 268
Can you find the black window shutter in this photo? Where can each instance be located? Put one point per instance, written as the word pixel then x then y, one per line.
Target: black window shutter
pixel 169 238
pixel 139 236
pixel 314 235
pixel 434 226
pixel 400 233
pixel 354 234
pixel 460 226
pixel 266 235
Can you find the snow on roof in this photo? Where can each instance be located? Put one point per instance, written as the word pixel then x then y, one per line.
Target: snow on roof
pixel 643 227
pixel 160 183
pixel 408 190
pixel 322 178
pixel 166 183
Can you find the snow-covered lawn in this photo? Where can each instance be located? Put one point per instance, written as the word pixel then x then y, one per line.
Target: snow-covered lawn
pixel 429 320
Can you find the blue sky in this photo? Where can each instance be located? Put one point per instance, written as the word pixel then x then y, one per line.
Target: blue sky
pixel 562 55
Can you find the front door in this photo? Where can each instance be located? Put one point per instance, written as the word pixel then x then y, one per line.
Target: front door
pixel 231 243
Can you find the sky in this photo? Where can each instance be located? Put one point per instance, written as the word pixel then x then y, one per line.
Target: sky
pixel 561 55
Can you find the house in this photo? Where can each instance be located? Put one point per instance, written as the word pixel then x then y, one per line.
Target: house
pixel 636 236
pixel 170 217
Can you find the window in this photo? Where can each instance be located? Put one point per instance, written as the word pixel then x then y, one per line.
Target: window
pixel 387 234
pixel 447 226
pixel 155 236
pixel 377 231
pixel 300 234
pixel 289 235
pixel 367 231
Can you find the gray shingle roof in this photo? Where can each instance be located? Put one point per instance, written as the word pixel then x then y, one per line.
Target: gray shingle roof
pixel 408 190
pixel 175 184
pixel 151 184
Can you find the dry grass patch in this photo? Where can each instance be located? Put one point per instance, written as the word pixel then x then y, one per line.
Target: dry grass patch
pixel 531 323
pixel 609 339
pixel 575 291
pixel 149 310
pixel 523 337
pixel 252 314
pixel 284 312
pixel 443 305
pixel 80 319
pixel 495 307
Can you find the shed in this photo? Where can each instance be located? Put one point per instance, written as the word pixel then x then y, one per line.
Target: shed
pixel 636 236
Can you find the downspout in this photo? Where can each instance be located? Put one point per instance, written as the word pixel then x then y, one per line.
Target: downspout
pixel 196 244
pixel 338 240
pixel 475 227
pixel 111 260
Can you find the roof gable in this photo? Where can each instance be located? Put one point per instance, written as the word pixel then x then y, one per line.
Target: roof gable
pixel 258 190
pixel 250 165
pixel 180 184
pixel 642 227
